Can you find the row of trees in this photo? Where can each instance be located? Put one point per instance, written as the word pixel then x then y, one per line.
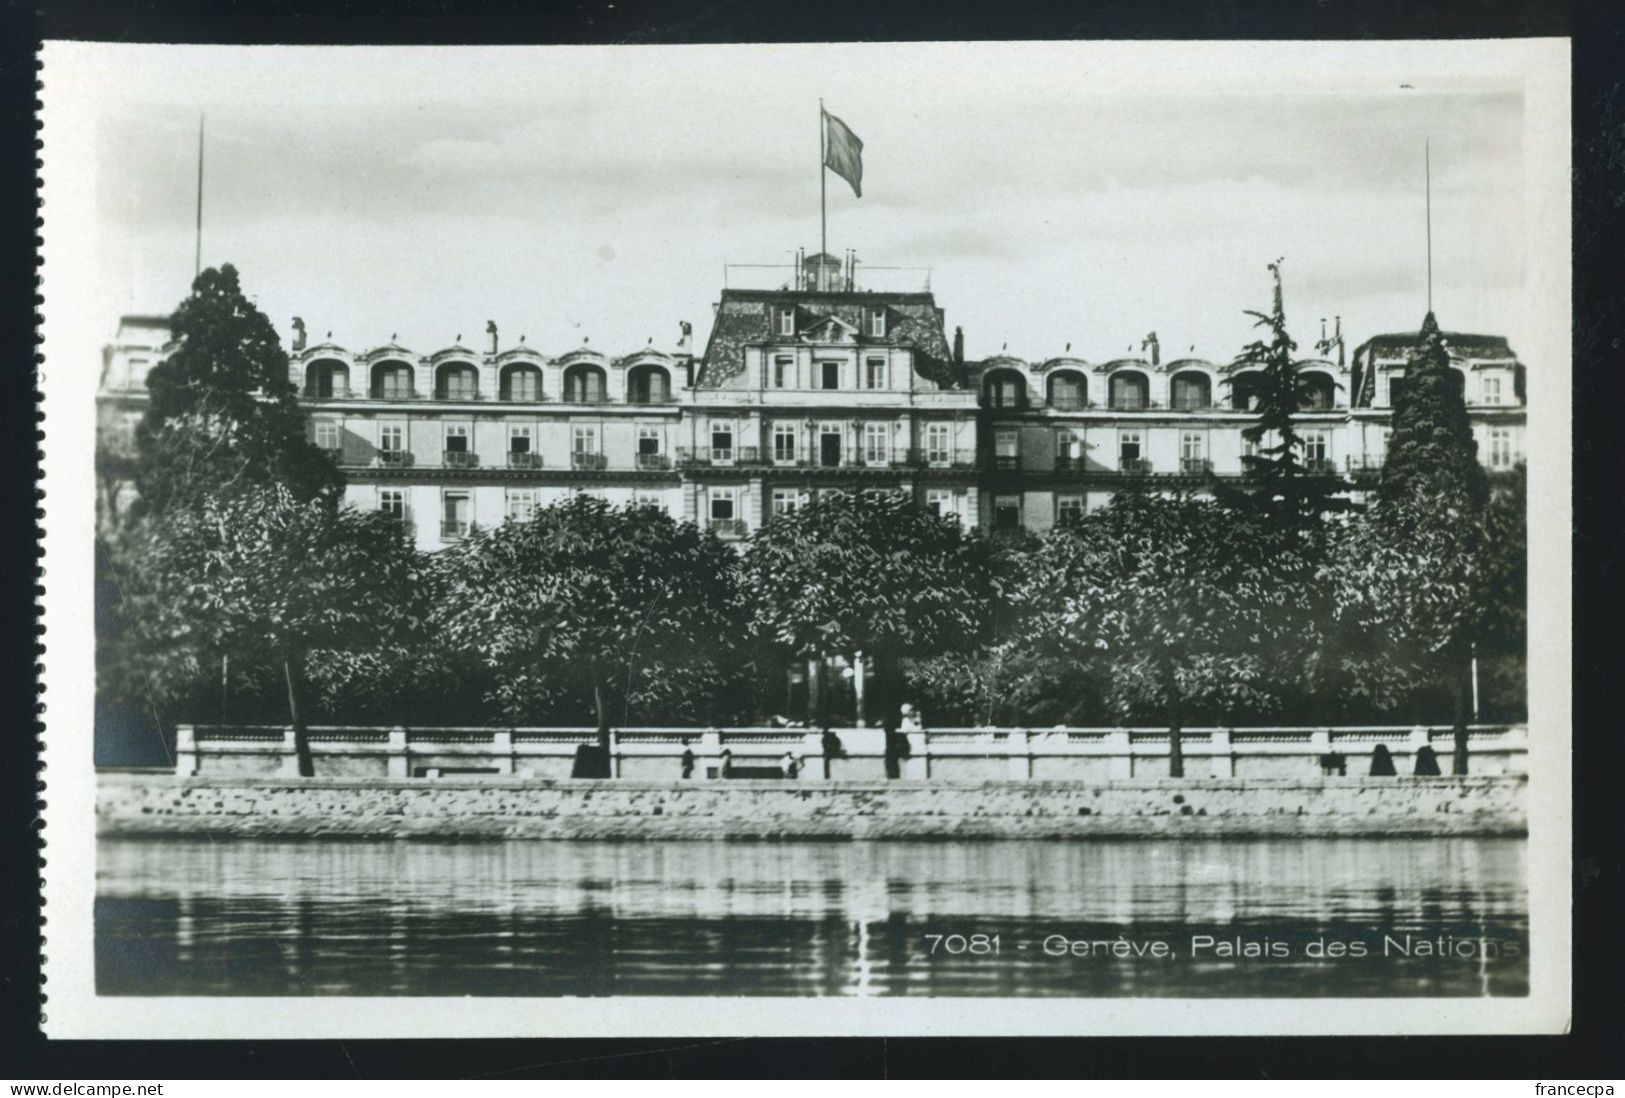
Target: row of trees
pixel 1272 601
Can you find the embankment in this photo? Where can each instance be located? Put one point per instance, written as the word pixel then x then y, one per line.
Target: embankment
pixel 157 804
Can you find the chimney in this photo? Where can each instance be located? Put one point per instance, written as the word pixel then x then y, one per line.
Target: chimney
pixel 298 334
pixel 685 343
pixel 1338 329
pixel 1156 349
pixel 959 346
pixel 491 330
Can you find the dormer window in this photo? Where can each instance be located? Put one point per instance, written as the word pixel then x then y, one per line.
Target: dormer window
pixel 875 322
pixel 786 319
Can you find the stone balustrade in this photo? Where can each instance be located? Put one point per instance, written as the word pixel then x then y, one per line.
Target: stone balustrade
pixel 944 754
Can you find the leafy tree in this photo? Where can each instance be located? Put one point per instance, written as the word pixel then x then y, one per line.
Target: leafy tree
pixel 221 411
pixel 625 603
pixel 1277 480
pixel 870 573
pixel 267 577
pixel 1420 576
pixel 1174 601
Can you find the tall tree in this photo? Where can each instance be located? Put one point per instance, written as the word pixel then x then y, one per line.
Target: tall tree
pixel 1172 600
pixel 869 573
pixel 1278 481
pixel 264 576
pixel 1422 576
pixel 221 410
pixel 616 601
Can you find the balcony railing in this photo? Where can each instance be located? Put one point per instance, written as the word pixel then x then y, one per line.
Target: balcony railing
pixel 1323 467
pixel 393 394
pixel 748 455
pixel 402 458
pixel 459 459
pixel 1007 463
pixel 524 459
pixel 728 527
pixel 1195 467
pixel 582 460
pixel 653 462
pixel 338 392
pixel 946 458
pixel 1069 404
pixel 452 530
pixel 457 394
pixel 1067 463
pixel 1134 466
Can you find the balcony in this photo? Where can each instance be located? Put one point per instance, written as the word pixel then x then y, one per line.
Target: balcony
pixel 1007 463
pixel 459 459
pixel 748 455
pixel 700 455
pixel 880 461
pixel 399 458
pixel 524 459
pixel 728 527
pixel 582 460
pixel 1134 466
pixel 1195 467
pixel 653 463
pixel 940 458
pixel 454 530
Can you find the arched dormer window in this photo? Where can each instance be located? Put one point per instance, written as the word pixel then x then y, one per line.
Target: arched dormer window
pixel 1190 391
pixel 1244 391
pixel 648 384
pixel 457 381
pixel 1004 389
pixel 585 384
pixel 1316 391
pixel 521 381
pixel 1130 391
pixel 1068 391
pixel 392 380
pixel 327 377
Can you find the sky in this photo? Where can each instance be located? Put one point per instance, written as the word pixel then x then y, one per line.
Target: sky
pixel 1058 194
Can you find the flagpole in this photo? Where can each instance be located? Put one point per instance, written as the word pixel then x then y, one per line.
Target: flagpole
pixel 823 213
pixel 1427 170
pixel 197 249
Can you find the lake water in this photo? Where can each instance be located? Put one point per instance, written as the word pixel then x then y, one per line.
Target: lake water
pixel 1108 918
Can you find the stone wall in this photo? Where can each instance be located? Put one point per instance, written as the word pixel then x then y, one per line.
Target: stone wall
pixel 156 803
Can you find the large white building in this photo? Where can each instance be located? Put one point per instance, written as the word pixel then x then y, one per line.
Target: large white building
pixel 815 386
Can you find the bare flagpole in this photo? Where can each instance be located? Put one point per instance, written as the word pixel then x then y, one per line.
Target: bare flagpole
pixel 1427 169
pixel 823 175
pixel 197 252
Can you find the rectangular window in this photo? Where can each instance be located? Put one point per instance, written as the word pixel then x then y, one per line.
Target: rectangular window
pixel 456 438
pixel 722 441
pixel 457 511
pixel 786 500
pixel 877 324
pixel 521 504
pixel 1316 446
pixel 829 444
pixel 940 501
pixel 392 437
pixel 829 375
pixel 1192 452
pixel 648 440
pixel 583 440
pixel 1007 512
pixel 783 371
pixel 519 438
pixel 1068 450
pixel 938 444
pixel 651 499
pixel 329 434
pixel 1068 509
pixel 1492 390
pixel 392 502
pixel 784 443
pixel 724 503
pixel 877 443
pixel 787 322
pixel 1500 448
pixel 1130 457
pixel 874 373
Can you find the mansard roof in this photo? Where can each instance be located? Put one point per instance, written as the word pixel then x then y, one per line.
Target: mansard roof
pixel 744 318
pixel 1401 345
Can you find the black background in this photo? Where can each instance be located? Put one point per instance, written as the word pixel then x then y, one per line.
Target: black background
pixel 1593 1050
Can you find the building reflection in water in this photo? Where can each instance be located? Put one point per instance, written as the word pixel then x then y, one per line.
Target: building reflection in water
pixel 564 918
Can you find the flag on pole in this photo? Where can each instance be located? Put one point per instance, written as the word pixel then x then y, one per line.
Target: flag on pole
pixel 843 152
